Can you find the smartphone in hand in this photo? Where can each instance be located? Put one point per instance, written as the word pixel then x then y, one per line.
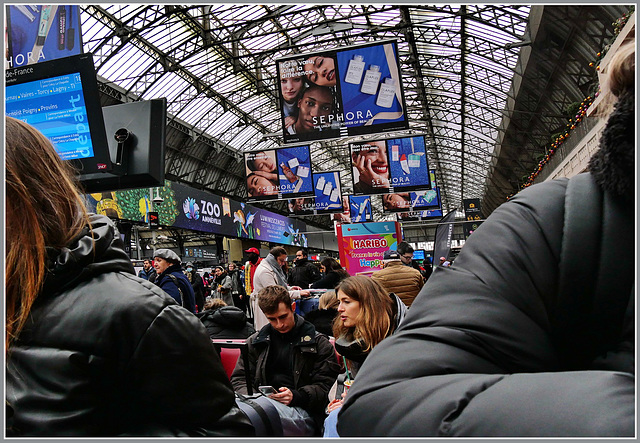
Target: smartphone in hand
pixel 267 390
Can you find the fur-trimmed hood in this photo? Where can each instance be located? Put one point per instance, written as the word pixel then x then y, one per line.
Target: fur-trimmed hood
pixel 613 165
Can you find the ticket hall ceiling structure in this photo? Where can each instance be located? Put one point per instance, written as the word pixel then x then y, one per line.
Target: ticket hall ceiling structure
pixel 488 85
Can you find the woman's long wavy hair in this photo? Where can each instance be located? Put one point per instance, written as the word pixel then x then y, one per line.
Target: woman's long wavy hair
pixel 43 208
pixel 375 319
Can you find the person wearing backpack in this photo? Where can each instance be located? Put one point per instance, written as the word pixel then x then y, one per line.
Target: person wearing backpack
pixel 172 280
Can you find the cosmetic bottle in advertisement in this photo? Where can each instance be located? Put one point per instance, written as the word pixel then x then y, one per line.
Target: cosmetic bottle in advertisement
pixel 327 188
pixel 288 173
pixel 320 184
pixel 371 80
pixel 42 28
pixel 335 194
pixel 355 70
pixel 395 153
pixel 387 93
pixel 414 160
pixel 302 171
pixel 404 164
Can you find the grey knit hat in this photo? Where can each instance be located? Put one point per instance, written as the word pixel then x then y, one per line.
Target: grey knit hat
pixel 168 255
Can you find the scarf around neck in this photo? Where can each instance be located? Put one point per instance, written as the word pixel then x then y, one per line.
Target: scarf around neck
pixel 280 277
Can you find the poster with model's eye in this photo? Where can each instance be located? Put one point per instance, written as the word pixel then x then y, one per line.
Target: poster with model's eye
pixel 276 173
pixel 388 166
pixel 360 208
pixel 341 92
pixel 328 196
pixel 38 33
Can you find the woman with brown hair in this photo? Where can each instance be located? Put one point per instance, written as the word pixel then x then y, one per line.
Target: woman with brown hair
pixel 92 350
pixel 367 314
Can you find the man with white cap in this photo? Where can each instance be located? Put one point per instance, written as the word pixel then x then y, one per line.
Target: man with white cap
pixel 172 280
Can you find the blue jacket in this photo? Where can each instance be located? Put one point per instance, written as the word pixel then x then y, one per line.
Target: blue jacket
pixel 166 283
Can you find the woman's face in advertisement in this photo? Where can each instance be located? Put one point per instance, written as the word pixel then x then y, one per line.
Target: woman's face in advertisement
pixel 321 71
pixel 258 185
pixel 291 87
pixel 265 164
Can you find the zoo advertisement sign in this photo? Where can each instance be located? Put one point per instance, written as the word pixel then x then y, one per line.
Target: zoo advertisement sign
pixel 189 208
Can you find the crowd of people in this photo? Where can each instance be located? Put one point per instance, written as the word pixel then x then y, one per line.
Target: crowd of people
pixel 531 333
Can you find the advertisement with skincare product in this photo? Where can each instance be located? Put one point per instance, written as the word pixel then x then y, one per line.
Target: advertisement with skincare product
pixel 274 173
pixel 360 208
pixel 391 165
pixel 411 201
pixel 341 92
pixel 362 245
pixel 328 196
pixel 37 33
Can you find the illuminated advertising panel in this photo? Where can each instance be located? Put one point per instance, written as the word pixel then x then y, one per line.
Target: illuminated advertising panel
pixel 274 174
pixel 328 196
pixel 389 166
pixel 341 92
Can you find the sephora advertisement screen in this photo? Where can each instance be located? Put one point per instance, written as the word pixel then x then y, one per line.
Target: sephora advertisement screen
pixel 341 92
pixel 388 166
pixel 327 200
pixel 274 173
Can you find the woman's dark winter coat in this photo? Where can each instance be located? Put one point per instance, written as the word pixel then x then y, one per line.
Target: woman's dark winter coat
pixel 522 337
pixel 329 281
pixel 105 353
pixel 226 322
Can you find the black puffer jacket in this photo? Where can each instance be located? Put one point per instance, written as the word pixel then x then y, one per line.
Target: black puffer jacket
pixel 106 353
pixel 521 337
pixel 226 322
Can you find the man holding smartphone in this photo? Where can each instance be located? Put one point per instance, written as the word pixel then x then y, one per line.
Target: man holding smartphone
pixel 291 356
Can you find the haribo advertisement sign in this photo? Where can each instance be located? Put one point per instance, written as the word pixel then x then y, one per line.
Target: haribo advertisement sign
pixel 362 245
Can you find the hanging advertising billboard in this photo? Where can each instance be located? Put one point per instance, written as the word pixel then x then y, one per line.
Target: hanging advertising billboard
pixel 362 245
pixel 276 173
pixel 341 92
pixel 421 205
pixel 37 33
pixel 327 199
pixel 185 207
pixel 389 166
pixel 411 201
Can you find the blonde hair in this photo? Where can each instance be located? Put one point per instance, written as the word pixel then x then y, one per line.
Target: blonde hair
pixel 621 75
pixel 44 208
pixel 328 300
pixel 374 322
pixel 214 303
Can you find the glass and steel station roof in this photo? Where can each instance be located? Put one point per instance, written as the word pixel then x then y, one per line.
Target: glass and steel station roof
pixel 486 84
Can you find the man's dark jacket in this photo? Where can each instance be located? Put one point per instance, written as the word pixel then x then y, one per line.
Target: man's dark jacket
pixel 315 367
pixel 522 336
pixel 167 284
pixel 303 274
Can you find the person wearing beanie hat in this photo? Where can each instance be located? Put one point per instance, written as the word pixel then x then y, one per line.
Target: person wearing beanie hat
pixel 395 277
pixel 172 280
